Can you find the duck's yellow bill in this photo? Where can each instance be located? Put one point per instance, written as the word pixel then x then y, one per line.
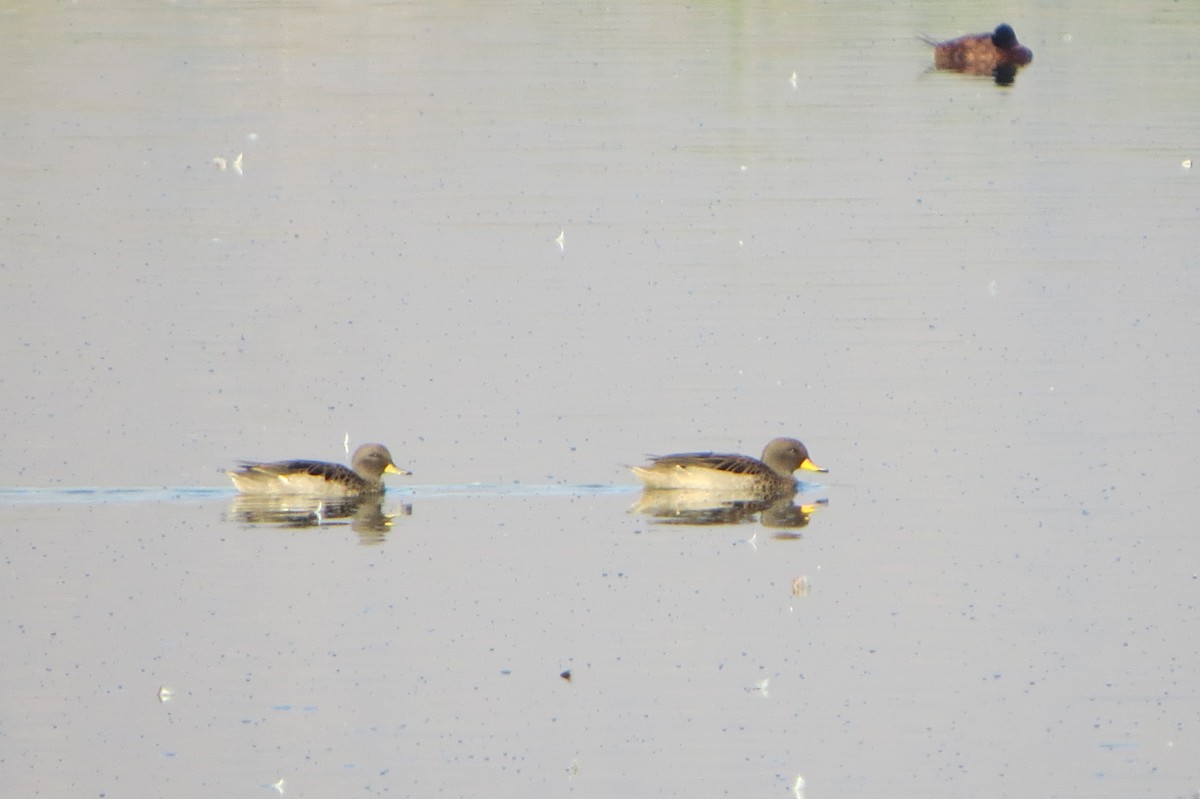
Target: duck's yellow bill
pixel 809 466
pixel 392 468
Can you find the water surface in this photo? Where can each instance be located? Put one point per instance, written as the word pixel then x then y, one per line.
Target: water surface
pixel 524 246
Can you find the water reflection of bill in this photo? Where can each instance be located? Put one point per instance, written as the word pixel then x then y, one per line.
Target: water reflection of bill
pixel 682 506
pixel 364 515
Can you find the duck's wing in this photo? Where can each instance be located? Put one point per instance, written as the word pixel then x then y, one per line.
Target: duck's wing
pixel 333 472
pixel 718 461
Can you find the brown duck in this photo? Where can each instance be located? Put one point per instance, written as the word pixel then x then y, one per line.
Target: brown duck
pixel 982 53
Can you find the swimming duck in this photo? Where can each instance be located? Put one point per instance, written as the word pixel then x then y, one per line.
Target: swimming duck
pixel 982 53
pixel 317 478
pixel 710 471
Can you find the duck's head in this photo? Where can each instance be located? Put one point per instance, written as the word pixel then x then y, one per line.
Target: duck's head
pixel 1004 38
pixel 786 455
pixel 370 461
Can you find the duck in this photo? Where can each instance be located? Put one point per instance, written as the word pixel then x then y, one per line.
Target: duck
pixel 364 476
pixel 982 53
pixel 738 474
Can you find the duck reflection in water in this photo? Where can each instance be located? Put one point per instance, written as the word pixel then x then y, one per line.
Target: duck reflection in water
pixel 720 488
pixel 673 506
pixel 364 515
pixel 998 54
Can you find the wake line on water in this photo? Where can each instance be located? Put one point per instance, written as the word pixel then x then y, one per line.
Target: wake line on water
pixel 105 495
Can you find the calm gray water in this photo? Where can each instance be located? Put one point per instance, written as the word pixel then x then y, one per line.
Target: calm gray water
pixel 525 245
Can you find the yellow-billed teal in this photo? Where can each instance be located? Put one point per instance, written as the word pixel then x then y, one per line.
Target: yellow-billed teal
pixel 317 478
pixel 712 471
